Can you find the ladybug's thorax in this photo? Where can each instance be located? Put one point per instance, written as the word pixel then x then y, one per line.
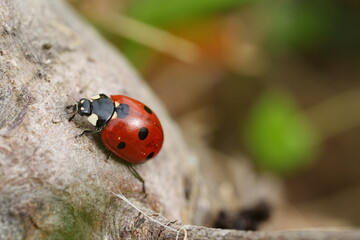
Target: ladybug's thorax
pixel 102 109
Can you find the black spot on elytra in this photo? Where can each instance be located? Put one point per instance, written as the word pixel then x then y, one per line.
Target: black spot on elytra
pixel 147 109
pixel 143 133
pixel 150 155
pixel 121 145
pixel 122 110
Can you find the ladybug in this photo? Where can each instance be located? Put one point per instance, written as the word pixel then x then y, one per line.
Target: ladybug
pixel 129 128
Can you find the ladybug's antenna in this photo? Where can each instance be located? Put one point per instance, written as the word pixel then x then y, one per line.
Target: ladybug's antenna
pixel 72 98
pixel 74 109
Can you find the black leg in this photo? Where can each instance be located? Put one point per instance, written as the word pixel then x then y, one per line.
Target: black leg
pixel 72 112
pixel 89 132
pixel 71 118
pixel 71 106
pixel 108 156
pixel 137 175
pixel 85 131
pixel 134 173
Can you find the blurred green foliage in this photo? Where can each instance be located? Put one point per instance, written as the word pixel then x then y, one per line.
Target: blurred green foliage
pixel 165 12
pixel 277 135
pixel 169 14
pixel 299 24
pixel 311 25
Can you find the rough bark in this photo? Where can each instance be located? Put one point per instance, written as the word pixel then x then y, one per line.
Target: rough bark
pixel 52 184
pixel 56 186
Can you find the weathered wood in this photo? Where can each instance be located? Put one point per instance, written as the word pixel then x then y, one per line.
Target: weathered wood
pixel 51 183
pixel 56 186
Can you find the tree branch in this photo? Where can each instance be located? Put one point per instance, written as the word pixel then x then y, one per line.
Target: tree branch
pixel 56 186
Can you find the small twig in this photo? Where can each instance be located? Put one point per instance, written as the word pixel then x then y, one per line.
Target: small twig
pixel 336 114
pixel 153 37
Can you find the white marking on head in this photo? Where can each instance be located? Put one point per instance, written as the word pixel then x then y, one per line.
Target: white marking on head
pixel 82 101
pixel 114 115
pixel 117 104
pixel 82 108
pixel 95 97
pixel 93 119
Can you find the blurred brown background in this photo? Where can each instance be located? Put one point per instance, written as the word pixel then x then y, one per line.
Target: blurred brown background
pixel 275 81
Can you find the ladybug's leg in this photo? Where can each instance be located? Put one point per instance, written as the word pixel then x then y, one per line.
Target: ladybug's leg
pixel 108 156
pixel 137 175
pixel 72 117
pixel 85 131
pixel 89 131
pixel 73 111
pixel 71 106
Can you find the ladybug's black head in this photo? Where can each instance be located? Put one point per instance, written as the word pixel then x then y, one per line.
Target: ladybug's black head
pixel 84 107
pixel 99 109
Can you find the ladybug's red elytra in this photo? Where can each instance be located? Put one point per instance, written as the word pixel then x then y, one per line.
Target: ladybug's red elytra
pixel 129 128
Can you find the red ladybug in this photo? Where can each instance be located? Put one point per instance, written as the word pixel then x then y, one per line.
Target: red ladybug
pixel 128 128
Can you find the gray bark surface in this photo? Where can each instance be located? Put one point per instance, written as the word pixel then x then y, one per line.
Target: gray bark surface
pixel 53 185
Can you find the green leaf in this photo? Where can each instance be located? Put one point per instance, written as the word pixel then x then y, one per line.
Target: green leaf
pixel 300 24
pixel 165 12
pixel 278 136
